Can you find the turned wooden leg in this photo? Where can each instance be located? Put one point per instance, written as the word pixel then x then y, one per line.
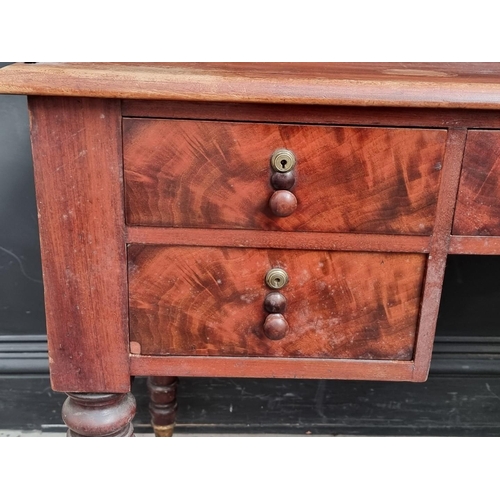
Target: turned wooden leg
pixel 163 404
pixel 95 415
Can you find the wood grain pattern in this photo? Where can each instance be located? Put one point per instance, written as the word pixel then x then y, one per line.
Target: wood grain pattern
pixel 217 175
pixel 475 245
pixel 209 366
pixel 440 85
pixel 210 301
pixel 438 252
pixel 77 160
pixel 197 301
pixel 307 114
pixel 478 204
pixel 277 239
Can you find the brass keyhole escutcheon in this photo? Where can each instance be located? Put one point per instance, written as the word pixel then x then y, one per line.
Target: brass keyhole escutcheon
pixel 276 278
pixel 283 160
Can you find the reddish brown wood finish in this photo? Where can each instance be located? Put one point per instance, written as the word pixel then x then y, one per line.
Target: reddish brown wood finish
pixel 210 301
pixel 440 85
pixel 301 114
pixel 475 245
pixel 478 205
pixel 217 175
pixel 197 291
pixel 276 239
pixel 438 252
pixel 99 415
pixel 480 245
pixel 163 404
pixel 78 168
pixel 203 366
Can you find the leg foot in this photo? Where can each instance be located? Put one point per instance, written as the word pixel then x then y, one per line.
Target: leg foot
pixel 163 404
pixel 99 415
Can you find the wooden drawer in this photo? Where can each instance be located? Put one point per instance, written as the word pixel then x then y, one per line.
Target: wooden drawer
pixel 478 204
pixel 210 301
pixel 188 173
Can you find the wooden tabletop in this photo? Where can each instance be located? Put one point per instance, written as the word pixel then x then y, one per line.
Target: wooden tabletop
pixel 443 85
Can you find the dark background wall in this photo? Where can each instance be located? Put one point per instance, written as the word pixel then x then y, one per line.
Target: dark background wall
pixel 461 397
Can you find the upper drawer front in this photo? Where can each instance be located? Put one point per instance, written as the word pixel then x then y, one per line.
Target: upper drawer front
pixel 210 301
pixel 218 175
pixel 478 205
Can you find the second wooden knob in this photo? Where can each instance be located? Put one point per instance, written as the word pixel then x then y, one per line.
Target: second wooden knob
pixel 275 327
pixel 283 203
pixel 275 303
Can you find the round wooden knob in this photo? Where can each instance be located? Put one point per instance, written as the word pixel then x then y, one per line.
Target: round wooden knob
pixel 283 203
pixel 283 180
pixel 275 302
pixel 275 327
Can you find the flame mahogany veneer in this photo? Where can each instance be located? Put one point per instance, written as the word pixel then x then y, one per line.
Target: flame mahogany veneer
pixel 210 301
pixel 153 184
pixel 205 174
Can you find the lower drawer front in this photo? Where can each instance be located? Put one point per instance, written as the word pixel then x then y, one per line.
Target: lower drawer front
pixel 210 301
